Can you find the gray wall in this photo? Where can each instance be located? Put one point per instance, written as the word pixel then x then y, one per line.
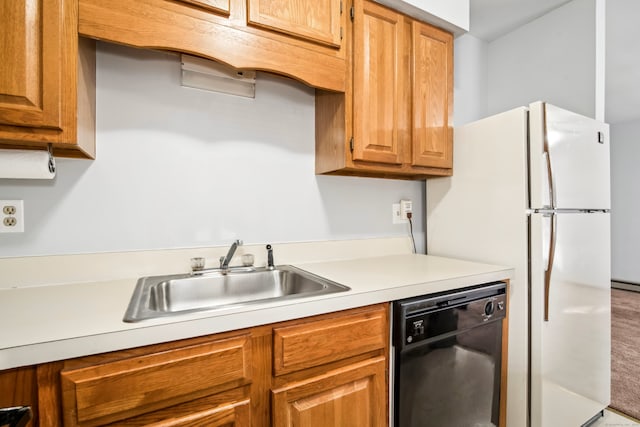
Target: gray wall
pixel 623 112
pixel 179 167
pixel 556 58
pixel 552 58
pixel 625 201
pixel 470 79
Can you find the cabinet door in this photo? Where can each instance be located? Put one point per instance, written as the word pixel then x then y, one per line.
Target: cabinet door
pixel 353 396
pixel 432 54
pixel 315 20
pixel 377 82
pixel 32 39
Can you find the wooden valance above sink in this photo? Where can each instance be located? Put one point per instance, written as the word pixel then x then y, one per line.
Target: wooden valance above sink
pixel 304 43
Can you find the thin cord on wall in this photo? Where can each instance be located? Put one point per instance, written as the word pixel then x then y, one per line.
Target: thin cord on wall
pixel 413 240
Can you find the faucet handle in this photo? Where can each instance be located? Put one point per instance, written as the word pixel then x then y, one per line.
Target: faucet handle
pixel 197 264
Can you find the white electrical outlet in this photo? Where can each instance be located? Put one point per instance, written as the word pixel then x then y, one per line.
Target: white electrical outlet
pixel 11 216
pixel 396 214
pixel 406 206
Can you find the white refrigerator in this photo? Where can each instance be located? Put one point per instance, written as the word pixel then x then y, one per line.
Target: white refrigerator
pixel 530 190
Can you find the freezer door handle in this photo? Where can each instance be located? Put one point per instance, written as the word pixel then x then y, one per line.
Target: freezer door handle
pixel 549 268
pixel 550 186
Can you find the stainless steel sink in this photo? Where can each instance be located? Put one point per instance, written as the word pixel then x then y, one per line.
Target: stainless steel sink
pixel 160 296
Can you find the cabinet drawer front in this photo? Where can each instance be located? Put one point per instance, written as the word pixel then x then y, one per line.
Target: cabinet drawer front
pixel 122 389
pixel 325 341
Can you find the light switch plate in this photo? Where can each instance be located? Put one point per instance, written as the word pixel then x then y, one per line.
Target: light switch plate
pixel 396 214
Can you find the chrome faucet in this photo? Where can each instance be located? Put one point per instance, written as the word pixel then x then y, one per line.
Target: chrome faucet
pixel 270 258
pixel 225 260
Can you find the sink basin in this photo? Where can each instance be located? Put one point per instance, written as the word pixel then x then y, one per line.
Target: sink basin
pixel 160 296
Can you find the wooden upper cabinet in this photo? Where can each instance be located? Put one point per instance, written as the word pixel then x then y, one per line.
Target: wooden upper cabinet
pixel 40 74
pixel 432 53
pixel 31 36
pixel 394 119
pixel 315 20
pixel 377 83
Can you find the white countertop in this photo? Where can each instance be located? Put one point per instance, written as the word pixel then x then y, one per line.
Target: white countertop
pixel 46 323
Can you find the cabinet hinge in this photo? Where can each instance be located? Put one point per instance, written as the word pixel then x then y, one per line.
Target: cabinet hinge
pixel 340 7
pixel 352 13
pixel 341 35
pixel 351 144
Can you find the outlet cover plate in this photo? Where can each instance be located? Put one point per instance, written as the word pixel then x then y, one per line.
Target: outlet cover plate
pixel 11 212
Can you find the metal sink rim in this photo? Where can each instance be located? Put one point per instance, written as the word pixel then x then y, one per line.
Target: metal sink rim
pixel 139 304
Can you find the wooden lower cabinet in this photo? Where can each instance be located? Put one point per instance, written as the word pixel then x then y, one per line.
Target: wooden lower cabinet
pixel 327 370
pixel 332 371
pixel 19 387
pixel 354 395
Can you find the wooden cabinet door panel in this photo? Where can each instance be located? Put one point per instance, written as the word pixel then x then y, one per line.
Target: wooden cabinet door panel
pixel 129 387
pixel 353 396
pixel 31 41
pixel 378 79
pixel 316 20
pixel 432 96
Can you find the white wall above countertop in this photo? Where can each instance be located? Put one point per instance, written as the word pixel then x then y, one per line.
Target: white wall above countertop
pixel 452 15
pixel 23 272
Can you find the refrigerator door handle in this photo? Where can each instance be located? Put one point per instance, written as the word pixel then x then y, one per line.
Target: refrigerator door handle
pixel 547 158
pixel 549 268
pixel 551 187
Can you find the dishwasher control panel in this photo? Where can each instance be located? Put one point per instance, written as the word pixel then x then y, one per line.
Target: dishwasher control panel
pixel 433 317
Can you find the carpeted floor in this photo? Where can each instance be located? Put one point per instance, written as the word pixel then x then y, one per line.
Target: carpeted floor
pixel 625 352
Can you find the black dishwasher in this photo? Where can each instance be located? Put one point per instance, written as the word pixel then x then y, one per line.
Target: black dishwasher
pixel 447 358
